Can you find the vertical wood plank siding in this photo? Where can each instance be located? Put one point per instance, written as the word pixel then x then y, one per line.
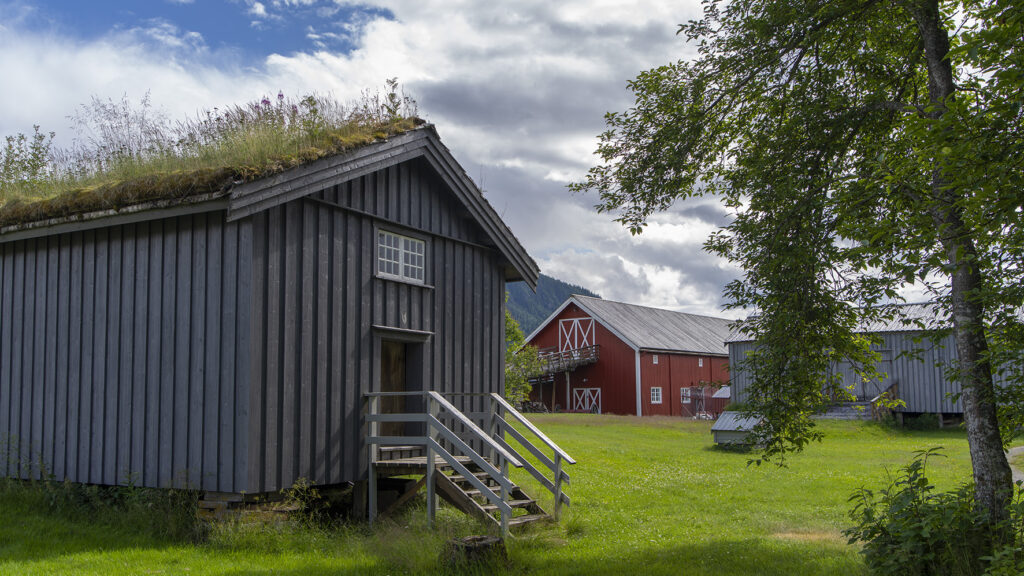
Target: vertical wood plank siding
pixel 317 299
pixel 123 353
pixel 919 368
pixel 233 357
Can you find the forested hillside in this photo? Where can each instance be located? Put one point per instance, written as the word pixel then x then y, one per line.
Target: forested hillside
pixel 531 309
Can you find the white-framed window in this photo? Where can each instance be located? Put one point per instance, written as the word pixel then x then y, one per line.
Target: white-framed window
pixel 400 256
pixel 655 358
pixel 684 395
pixel 656 395
pixel 700 362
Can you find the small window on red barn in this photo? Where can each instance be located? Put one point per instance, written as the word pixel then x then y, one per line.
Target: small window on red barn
pixel 684 395
pixel 700 362
pixel 655 358
pixel 656 395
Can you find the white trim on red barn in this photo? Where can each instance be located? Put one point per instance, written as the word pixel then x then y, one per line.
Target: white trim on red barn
pixel 639 397
pixel 550 317
pixel 636 349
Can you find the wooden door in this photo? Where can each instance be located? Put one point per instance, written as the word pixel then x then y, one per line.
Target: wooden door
pixel 392 379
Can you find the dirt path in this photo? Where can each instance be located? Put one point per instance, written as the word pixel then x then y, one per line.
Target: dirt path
pixel 1018 474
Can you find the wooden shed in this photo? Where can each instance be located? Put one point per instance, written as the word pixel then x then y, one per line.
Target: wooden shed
pixel 230 341
pixel 913 364
pixel 605 356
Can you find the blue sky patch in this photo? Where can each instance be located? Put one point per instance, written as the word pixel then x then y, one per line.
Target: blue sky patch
pixel 249 29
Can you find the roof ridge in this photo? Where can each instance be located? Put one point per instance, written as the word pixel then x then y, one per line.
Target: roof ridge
pixel 651 307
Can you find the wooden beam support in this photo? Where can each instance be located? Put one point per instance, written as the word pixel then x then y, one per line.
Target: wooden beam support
pixel 409 494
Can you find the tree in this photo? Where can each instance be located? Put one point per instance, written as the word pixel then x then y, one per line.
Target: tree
pixel 522 362
pixel 861 145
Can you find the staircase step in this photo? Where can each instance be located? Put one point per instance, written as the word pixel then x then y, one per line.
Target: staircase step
pixel 520 520
pixel 512 503
pixel 461 478
pixel 475 492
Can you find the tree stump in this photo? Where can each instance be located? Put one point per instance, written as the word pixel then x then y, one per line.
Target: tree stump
pixel 474 550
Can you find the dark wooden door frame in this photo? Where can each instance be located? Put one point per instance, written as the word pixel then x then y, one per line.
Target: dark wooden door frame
pixel 416 380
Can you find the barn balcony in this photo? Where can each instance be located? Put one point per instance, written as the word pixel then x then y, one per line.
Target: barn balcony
pixel 463 456
pixel 554 361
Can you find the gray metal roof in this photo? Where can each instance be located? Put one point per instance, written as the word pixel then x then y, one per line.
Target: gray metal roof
pixel 733 421
pixel 896 318
pixel 657 329
pixel 723 392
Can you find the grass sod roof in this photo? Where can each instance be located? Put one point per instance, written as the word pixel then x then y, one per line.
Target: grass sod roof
pixel 103 193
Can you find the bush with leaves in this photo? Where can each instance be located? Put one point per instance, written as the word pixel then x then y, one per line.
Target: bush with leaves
pixel 166 514
pixel 910 529
pixel 310 507
pixel 522 362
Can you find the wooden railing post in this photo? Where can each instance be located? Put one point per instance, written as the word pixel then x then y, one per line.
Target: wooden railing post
pixel 496 432
pixel 373 454
pixel 558 485
pixel 555 464
pixel 492 428
pixel 433 409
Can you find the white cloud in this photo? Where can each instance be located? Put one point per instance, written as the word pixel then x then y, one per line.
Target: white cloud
pixel 518 89
pixel 164 33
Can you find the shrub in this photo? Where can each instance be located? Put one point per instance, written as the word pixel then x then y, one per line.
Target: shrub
pixel 311 508
pixel 167 514
pixel 921 422
pixel 910 529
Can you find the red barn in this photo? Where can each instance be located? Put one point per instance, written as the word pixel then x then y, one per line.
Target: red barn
pixel 605 356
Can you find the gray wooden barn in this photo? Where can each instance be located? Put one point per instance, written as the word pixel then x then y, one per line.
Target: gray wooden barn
pixel 914 365
pixel 231 342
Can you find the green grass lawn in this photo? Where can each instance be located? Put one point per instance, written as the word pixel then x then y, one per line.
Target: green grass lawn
pixel 649 496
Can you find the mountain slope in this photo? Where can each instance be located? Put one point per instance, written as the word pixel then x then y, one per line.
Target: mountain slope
pixel 531 309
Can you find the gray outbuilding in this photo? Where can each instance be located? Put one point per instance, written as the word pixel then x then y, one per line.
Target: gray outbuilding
pixel 732 428
pixel 226 341
pixel 913 363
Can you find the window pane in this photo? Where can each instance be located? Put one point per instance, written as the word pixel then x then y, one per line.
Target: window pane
pixel 400 256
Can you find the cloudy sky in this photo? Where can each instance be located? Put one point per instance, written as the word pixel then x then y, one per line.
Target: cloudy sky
pixel 517 88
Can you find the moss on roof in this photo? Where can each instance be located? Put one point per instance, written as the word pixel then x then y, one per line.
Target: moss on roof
pixel 103 193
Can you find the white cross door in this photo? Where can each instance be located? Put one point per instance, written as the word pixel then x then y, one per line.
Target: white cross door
pixel 575 333
pixel 587 400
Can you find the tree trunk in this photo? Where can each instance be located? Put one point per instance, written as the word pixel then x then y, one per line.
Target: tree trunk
pixel 993 483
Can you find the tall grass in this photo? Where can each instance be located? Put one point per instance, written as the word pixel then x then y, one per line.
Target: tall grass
pixel 649 496
pixel 127 152
pixel 166 515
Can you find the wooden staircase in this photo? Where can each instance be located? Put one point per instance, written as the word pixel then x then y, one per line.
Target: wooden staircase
pixel 460 493
pixel 454 466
